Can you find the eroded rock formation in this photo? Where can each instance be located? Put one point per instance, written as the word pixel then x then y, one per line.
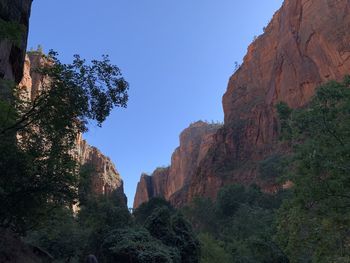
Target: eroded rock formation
pixel 306 43
pixel 105 178
pixel 172 181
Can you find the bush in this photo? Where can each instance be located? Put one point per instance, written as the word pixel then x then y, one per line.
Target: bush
pixel 146 209
pixel 213 250
pixel 136 246
pixel 230 198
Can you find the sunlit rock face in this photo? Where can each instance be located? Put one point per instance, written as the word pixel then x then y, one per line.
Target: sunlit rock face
pixel 106 180
pixel 12 54
pixel 170 182
pixel 306 43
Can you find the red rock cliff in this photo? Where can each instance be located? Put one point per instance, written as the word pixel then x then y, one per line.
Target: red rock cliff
pixel 172 181
pixel 105 178
pixel 306 43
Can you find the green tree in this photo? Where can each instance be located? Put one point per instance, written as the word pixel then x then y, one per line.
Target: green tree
pixel 167 225
pixel 37 168
pixel 146 209
pixel 313 226
pixel 248 235
pixel 213 251
pixel 60 235
pixel 230 198
pixel 185 239
pixel 239 226
pixel 136 246
pixel 201 213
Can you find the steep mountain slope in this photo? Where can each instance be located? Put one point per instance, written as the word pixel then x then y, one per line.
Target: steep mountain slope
pixel 306 43
pixel 172 181
pixel 105 178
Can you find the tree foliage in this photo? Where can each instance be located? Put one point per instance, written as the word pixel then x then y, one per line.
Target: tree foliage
pixel 136 246
pixel 313 226
pixel 146 209
pixel 38 136
pixel 212 250
pixel 60 235
pixel 239 226
pixel 170 227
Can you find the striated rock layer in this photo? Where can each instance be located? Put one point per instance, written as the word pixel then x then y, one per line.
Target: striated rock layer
pixel 306 43
pixel 105 178
pixel 172 181
pixel 12 53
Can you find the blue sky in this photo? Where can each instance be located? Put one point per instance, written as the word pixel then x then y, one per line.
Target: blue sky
pixel 177 56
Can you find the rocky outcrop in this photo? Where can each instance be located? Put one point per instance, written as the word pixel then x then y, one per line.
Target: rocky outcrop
pixel 151 186
pixel 14 21
pixel 105 178
pixel 306 43
pixel 170 182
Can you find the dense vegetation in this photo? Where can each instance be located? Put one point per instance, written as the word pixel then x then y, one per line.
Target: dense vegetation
pixel 238 227
pixel 37 153
pixel 314 224
pixel 38 136
pixel 155 233
pixel 310 222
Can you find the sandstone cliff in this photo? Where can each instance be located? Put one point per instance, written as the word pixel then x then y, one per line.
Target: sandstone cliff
pixel 105 178
pixel 172 181
pixel 12 51
pixel 306 43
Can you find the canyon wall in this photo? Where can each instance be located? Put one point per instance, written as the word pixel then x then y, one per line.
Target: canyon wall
pixel 105 178
pixel 18 68
pixel 306 43
pixel 171 182
pixel 14 22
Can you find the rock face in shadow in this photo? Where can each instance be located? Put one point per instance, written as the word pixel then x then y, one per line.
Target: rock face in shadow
pixel 13 50
pixel 306 43
pixel 151 186
pixel 106 180
pixel 170 182
pixel 13 249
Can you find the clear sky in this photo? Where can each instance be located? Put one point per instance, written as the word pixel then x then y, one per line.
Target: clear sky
pixel 177 56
